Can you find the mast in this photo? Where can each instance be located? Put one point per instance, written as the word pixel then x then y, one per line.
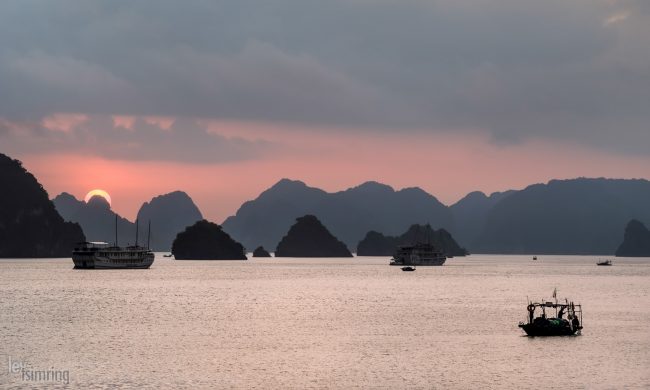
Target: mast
pixel 137 224
pixel 116 230
pixel 149 234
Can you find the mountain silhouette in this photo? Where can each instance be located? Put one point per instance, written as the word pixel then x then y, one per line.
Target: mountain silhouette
pixel 636 241
pixel 470 215
pixel 98 220
pixel 578 216
pixel 30 225
pixel 169 214
pixel 349 214
pixel 309 238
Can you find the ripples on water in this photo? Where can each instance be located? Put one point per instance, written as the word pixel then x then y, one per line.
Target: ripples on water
pixel 339 323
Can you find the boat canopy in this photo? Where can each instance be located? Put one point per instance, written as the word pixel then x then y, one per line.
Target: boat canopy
pixel 572 309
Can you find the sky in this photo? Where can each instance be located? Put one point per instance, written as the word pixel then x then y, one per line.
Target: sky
pixel 222 99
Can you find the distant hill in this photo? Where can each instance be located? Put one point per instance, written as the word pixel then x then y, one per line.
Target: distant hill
pixel 578 216
pixel 309 238
pixel 636 241
pixel 169 214
pixel 348 214
pixel 470 215
pixel 376 244
pixel 98 220
pixel 30 226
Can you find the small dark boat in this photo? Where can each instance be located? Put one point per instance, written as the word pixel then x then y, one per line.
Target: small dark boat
pixel 408 268
pixel 604 262
pixel 168 255
pixel 553 326
pixel 534 257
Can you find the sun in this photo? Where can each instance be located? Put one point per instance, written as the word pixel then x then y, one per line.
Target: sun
pixel 98 192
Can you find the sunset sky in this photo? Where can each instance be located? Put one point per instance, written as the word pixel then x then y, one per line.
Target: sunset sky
pixel 222 99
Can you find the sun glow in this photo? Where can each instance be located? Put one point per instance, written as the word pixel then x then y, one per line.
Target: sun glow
pixel 98 192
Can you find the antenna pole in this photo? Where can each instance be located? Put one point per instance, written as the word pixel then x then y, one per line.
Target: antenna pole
pixel 137 224
pixel 149 234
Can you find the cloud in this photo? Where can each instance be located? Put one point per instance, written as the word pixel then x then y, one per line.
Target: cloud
pixel 555 69
pixel 184 140
pixel 616 18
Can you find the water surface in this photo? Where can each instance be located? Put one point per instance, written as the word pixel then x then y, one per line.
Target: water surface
pixel 335 323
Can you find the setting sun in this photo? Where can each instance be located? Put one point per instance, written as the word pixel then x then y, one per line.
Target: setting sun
pixel 98 192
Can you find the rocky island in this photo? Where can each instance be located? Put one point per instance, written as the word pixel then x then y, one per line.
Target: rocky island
pixel 636 241
pixel 206 241
pixel 309 238
pixel 376 244
pixel 30 226
pixel 261 252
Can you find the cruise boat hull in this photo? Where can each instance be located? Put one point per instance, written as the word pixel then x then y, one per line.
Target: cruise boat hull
pixel 103 263
pixel 419 262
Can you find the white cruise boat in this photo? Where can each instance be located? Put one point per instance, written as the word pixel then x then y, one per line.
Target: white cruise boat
pixel 99 255
pixel 418 254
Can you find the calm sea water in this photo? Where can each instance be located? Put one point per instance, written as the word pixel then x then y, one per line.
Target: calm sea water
pixel 335 323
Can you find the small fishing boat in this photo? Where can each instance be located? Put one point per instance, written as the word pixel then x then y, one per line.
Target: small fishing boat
pixel 546 325
pixel 604 262
pixel 168 255
pixel 534 257
pixel 408 268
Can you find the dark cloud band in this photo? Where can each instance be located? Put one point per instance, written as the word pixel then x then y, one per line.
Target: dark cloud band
pixel 552 69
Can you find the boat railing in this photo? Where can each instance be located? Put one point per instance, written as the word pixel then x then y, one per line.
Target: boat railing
pixel 91 244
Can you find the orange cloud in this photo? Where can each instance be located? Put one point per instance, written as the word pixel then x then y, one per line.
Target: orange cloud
pixel 163 122
pixel 63 122
pixel 124 121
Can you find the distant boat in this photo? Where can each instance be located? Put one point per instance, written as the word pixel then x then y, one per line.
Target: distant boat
pixel 545 325
pixel 408 268
pixel 534 257
pixel 100 255
pixel 604 262
pixel 168 255
pixel 418 254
